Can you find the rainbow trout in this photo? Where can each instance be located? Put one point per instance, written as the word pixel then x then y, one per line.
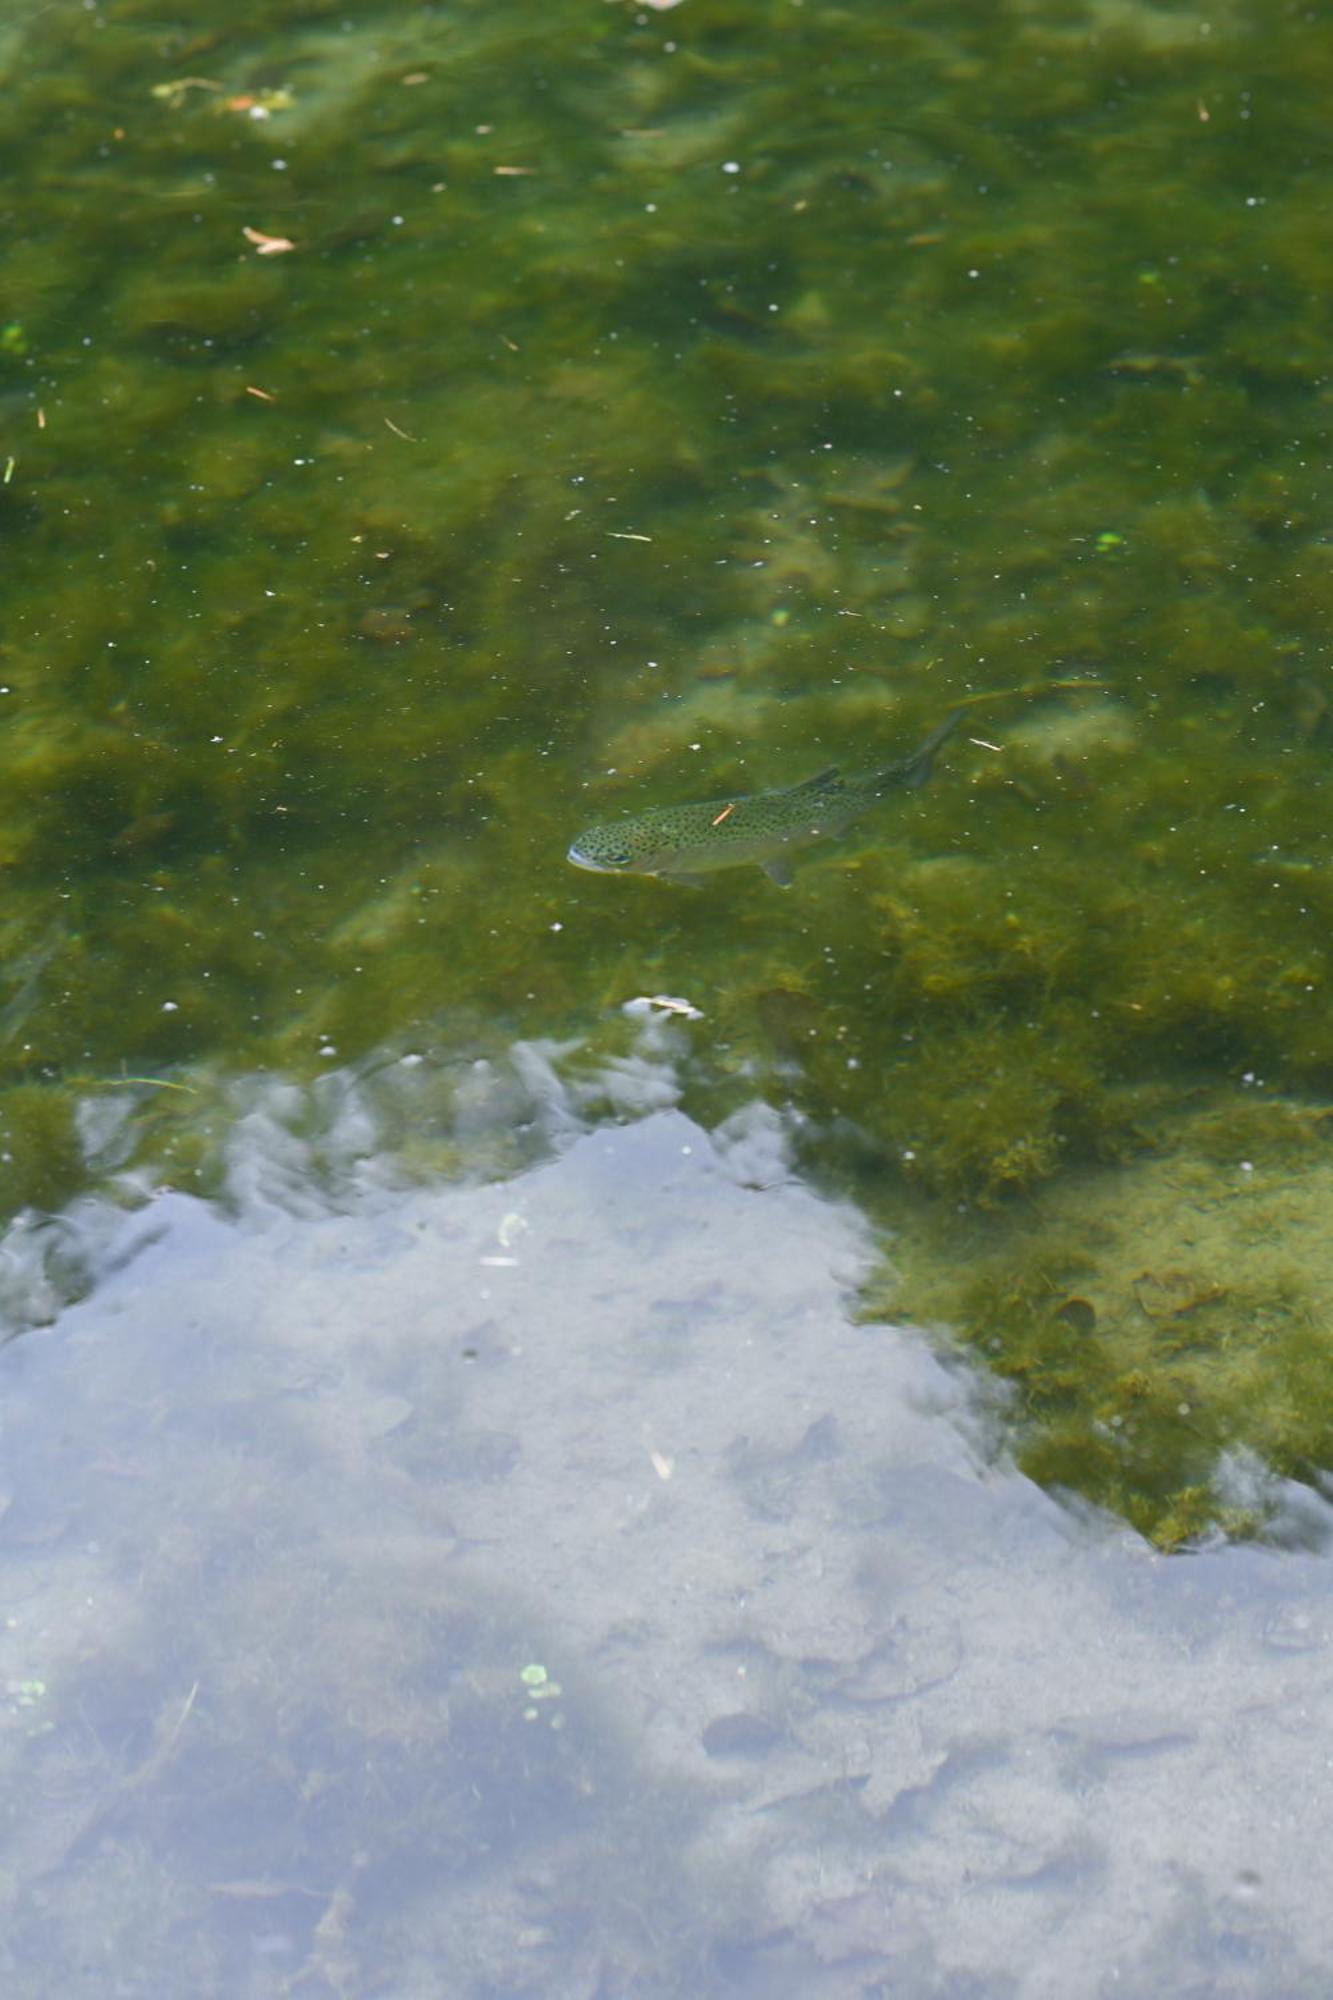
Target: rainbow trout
pixel 685 843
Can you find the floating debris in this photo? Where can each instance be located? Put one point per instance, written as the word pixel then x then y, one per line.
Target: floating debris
pixel 175 91
pixel 267 246
pixel 663 1003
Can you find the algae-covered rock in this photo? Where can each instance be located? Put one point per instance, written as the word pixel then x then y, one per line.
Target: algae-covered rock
pixel 1158 1318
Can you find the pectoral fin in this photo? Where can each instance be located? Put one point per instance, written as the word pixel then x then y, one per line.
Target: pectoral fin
pixel 778 870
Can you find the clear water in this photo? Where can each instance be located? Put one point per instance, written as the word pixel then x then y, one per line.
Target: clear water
pixel 662 404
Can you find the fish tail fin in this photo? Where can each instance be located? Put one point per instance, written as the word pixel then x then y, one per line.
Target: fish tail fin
pixel 914 770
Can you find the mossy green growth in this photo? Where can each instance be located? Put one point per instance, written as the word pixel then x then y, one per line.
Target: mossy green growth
pixel 983 1114
pixel 1157 1318
pixel 42 1163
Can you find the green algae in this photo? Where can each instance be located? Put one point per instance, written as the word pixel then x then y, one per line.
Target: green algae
pixel 41 1161
pixel 1157 1319
pixel 631 422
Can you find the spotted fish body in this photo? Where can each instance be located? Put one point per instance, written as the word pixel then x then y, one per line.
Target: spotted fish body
pixel 685 843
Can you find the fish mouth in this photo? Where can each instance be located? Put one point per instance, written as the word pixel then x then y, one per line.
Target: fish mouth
pixel 582 860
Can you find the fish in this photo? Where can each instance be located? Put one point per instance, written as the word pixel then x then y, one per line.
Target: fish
pixel 684 844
